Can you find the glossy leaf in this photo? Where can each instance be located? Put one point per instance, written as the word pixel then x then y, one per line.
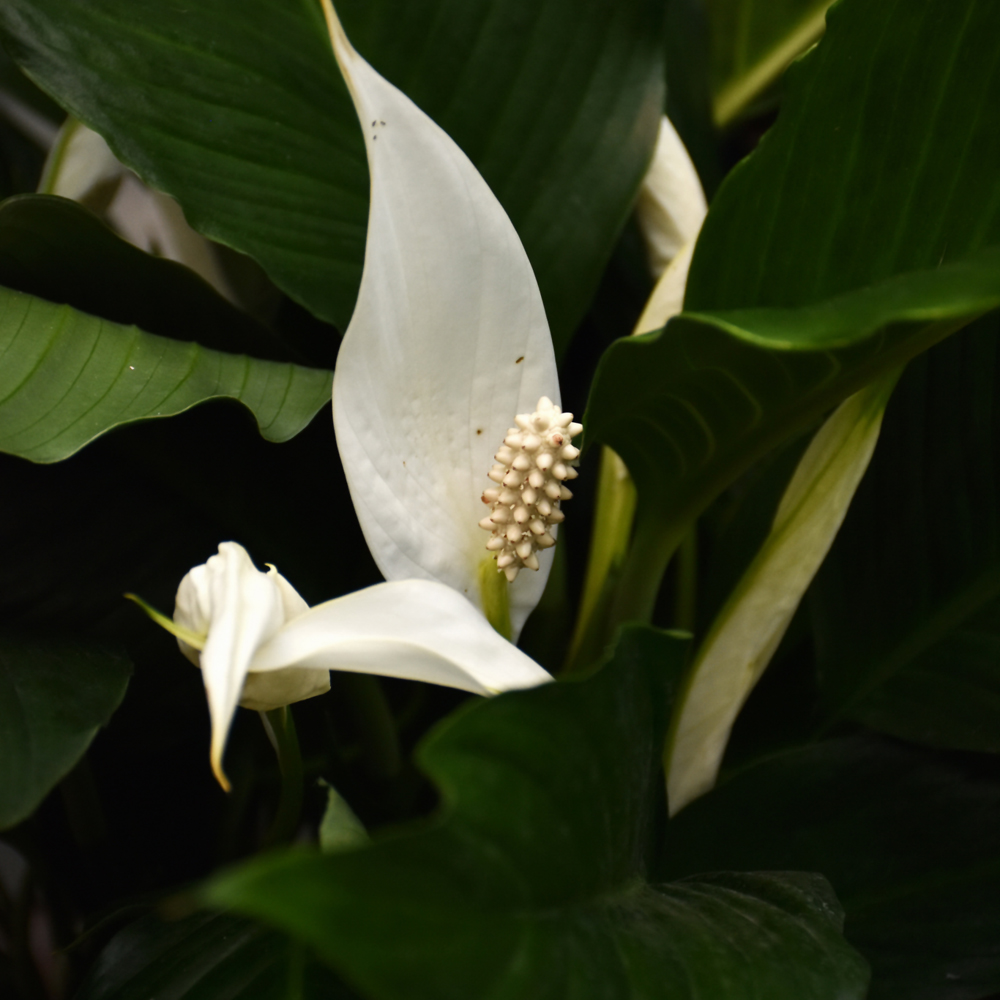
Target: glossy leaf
pixel 57 250
pixel 753 42
pixel 529 883
pixel 907 607
pixel 847 216
pixel 907 839
pixel 691 407
pixel 882 161
pixel 205 957
pixel 54 696
pixel 67 377
pixel 238 111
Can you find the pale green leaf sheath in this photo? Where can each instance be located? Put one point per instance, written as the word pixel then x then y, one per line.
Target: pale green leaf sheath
pixel 749 627
pixel 448 342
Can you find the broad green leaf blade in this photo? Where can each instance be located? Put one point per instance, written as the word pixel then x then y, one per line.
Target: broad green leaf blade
pixel 693 406
pixel 237 110
pixel 906 610
pixel 882 160
pixel 57 250
pixel 752 45
pixel 67 377
pixel 745 634
pixel 847 217
pixel 54 696
pixel 530 883
pixel 205 957
pixel 907 838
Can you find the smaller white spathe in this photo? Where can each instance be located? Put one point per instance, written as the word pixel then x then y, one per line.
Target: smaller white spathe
pixel 260 645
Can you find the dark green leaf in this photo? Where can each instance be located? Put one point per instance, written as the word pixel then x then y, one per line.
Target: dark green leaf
pixel 53 699
pixel 531 882
pixel 882 161
pixel 907 606
pixel 57 250
pixel 67 377
pixel 206 957
pixel 237 109
pixel 691 407
pixel 689 104
pixel 752 44
pixel 878 174
pixel 907 838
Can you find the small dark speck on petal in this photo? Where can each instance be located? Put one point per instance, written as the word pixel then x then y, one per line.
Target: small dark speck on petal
pixel 479 430
pixel 519 360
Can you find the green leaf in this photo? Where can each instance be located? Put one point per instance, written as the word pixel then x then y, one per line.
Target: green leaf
pixel 67 377
pixel 206 957
pixel 866 214
pixel 340 828
pixel 530 883
pixel 691 407
pixel 57 250
pixel 237 109
pixel 907 609
pixel 882 161
pixel 907 838
pixel 54 696
pixel 752 45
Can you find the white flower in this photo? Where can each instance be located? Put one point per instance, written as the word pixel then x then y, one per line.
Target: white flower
pixel 448 342
pixel 442 402
pixel 261 646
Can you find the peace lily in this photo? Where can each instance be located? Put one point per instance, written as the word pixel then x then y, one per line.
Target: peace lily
pixel 260 645
pixel 455 453
pixel 448 342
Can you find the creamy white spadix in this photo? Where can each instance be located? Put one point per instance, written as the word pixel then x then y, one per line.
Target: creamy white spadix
pixel 448 342
pixel 530 468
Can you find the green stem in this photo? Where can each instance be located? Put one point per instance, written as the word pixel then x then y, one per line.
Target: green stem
pixel 280 728
pixel 615 512
pixel 376 725
pixel 496 601
pixel 652 548
pixel 687 582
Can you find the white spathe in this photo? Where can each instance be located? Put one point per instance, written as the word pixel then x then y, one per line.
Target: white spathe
pixel 263 647
pixel 447 343
pixel 80 166
pixel 671 205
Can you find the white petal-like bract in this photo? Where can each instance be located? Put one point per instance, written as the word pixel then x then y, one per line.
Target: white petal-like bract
pixel 671 204
pixel 414 629
pixel 237 608
pixel 447 343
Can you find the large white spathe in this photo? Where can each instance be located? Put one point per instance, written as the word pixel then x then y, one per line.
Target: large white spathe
pixel 260 645
pixel 447 343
